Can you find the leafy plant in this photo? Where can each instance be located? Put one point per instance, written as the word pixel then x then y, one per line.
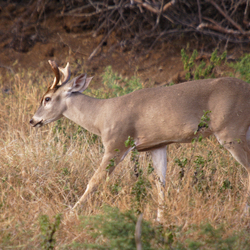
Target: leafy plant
pixel 139 190
pixel 200 178
pixel 203 121
pixel 116 230
pixel 119 85
pixel 242 67
pixel 130 142
pixel 226 185
pixel 111 164
pixel 113 230
pixel 115 85
pixel 201 70
pixel 188 63
pixel 116 187
pixel 48 231
pixel 181 163
pixel 212 238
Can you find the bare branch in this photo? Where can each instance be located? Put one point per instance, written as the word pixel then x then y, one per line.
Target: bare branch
pixel 245 20
pixel 199 10
pixel 219 28
pixel 226 16
pixel 90 14
pixel 147 6
pixel 168 5
pixel 9 68
pixel 103 40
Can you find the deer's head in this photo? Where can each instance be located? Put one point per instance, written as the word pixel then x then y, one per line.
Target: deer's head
pixel 53 102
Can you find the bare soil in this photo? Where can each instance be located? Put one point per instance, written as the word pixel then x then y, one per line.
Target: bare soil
pixel 53 39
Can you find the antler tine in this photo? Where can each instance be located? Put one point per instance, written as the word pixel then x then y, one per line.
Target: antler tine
pixel 55 69
pixel 66 73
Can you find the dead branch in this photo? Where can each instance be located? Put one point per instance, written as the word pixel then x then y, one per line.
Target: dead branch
pixel 9 68
pixel 141 22
pixel 217 27
pixel 168 5
pixel 199 10
pixel 90 14
pixel 227 17
pixel 102 41
pixel 146 6
pixel 245 19
pixel 145 19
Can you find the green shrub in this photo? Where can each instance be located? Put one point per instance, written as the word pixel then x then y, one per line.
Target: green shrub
pixel 202 69
pixel 140 189
pixel 115 230
pixel 212 238
pixel 242 67
pixel 115 85
pixel 48 231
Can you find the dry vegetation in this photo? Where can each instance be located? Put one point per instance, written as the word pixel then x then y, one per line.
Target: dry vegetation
pixel 44 171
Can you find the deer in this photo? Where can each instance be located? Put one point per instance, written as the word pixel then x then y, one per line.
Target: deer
pixel 154 118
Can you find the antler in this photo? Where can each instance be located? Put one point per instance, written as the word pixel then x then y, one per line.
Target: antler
pixel 55 69
pixel 66 73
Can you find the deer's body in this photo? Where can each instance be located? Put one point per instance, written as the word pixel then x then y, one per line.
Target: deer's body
pixel 147 114
pixel 155 118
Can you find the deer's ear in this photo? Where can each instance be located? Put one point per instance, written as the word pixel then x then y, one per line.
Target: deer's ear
pixel 80 83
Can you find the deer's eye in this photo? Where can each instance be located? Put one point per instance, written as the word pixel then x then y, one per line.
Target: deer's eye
pixel 47 99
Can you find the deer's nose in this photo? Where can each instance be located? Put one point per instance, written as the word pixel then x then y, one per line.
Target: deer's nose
pixel 31 122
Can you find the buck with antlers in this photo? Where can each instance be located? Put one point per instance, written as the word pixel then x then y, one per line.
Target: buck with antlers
pixel 154 117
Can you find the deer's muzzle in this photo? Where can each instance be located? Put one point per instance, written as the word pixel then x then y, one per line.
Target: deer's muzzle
pixel 34 123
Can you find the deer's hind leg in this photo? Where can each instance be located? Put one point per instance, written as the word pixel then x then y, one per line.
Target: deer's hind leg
pixel 159 157
pixel 239 147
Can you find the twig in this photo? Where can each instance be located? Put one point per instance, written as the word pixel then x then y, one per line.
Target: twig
pixel 168 5
pixel 226 16
pixel 245 19
pixel 125 21
pixel 217 27
pixel 159 15
pixel 70 49
pixel 104 38
pixel 223 37
pixel 147 6
pixel 199 10
pixel 236 5
pixel 9 68
pixel 73 11
pixel 167 17
pixel 105 21
pixel 90 14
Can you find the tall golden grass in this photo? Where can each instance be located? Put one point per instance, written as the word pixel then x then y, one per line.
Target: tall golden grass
pixel 44 171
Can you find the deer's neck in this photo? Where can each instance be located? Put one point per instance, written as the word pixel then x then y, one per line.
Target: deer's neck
pixel 84 111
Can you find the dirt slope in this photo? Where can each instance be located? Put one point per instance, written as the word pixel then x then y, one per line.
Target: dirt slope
pixel 25 44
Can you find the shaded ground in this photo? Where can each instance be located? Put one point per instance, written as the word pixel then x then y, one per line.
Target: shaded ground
pixel 53 39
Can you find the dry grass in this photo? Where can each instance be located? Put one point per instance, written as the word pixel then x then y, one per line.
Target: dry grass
pixel 45 171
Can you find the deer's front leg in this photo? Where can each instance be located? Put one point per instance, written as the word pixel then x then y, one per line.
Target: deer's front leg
pixel 108 164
